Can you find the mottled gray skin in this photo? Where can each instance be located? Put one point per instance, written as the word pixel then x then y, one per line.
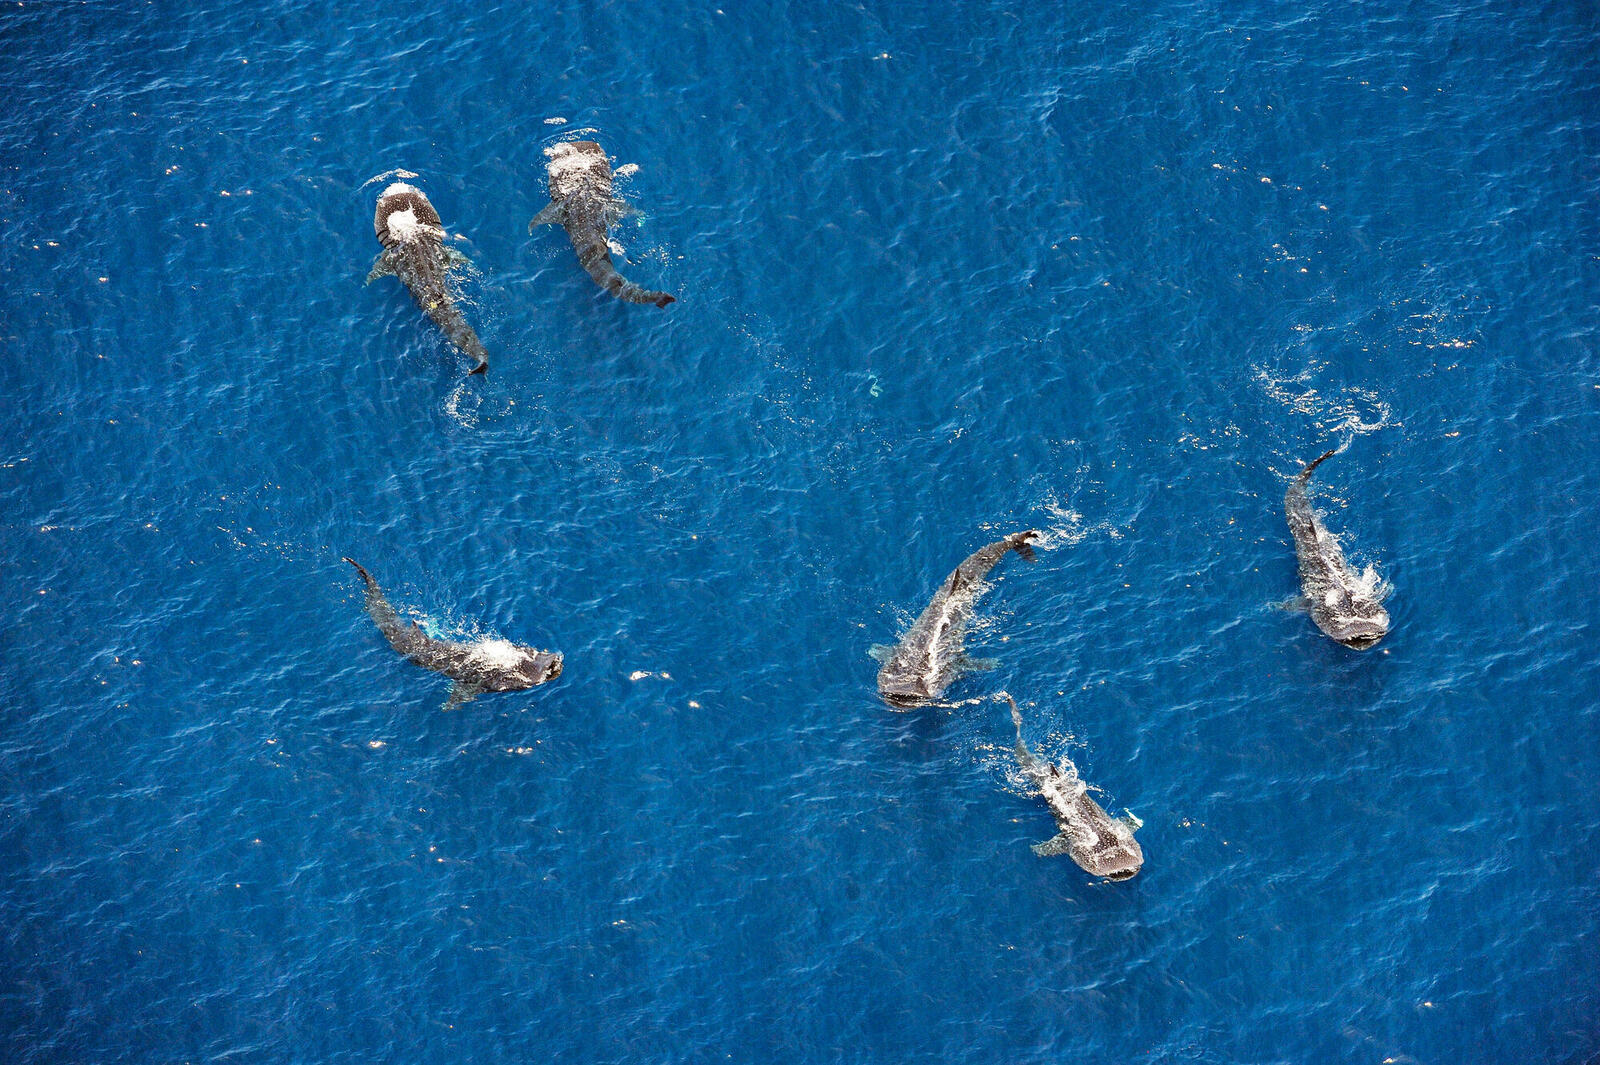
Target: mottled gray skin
pixel 583 203
pixel 1103 845
pixel 1346 605
pixel 929 658
pixel 512 669
pixel 414 251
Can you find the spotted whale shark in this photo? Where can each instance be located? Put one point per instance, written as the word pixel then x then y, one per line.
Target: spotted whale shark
pixel 1346 605
pixel 480 666
pixel 930 657
pixel 583 203
pixel 1103 845
pixel 414 250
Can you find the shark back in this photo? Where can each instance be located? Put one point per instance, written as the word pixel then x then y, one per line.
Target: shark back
pixel 414 250
pixel 929 658
pixel 480 666
pixel 1101 844
pixel 584 203
pixel 1345 604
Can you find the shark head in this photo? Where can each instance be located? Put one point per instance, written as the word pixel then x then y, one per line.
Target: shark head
pixel 575 164
pixel 904 695
pixel 509 667
pixel 1355 616
pixel 405 215
pixel 1114 854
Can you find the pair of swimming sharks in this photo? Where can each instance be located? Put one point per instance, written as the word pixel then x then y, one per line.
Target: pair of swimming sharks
pixel 1345 604
pixel 931 656
pixel 582 201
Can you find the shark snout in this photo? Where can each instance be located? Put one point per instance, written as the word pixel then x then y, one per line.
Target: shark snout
pixel 1360 634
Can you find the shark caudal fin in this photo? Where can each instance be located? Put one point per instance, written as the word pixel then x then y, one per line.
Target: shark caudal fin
pixel 481 368
pixel 1016 714
pixel 1305 474
pixel 365 576
pixel 629 292
pixel 1022 544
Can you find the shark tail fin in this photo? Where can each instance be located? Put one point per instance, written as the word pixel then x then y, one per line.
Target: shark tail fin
pixel 1022 544
pixel 1305 474
pixel 1016 714
pixel 365 576
pixel 481 368
pixel 663 299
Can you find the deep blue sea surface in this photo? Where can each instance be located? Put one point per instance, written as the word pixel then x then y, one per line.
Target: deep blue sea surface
pixel 944 272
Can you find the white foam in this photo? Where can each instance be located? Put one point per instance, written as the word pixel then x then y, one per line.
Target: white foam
pixel 499 654
pixel 1371 584
pixel 1349 410
pixel 386 175
pixel 570 166
pixel 404 225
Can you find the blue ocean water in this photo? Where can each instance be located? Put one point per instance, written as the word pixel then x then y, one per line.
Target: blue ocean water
pixel 944 272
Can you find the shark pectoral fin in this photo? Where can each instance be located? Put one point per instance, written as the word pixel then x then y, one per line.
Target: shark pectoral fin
pixel 1131 820
pixel 1295 604
pixel 880 652
pixel 1057 845
pixel 455 257
pixel 461 694
pixel 552 215
pixel 978 665
pixel 381 267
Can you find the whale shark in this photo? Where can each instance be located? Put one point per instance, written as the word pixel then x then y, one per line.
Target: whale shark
pixel 930 657
pixel 1103 845
pixel 583 203
pixel 414 250
pixel 1346 605
pixel 481 666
